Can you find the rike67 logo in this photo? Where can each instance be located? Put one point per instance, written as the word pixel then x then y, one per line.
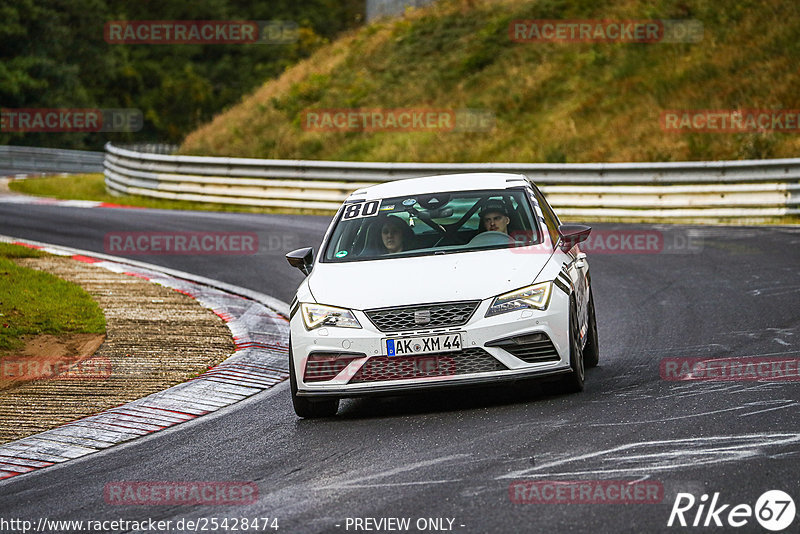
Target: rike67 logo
pixel 774 511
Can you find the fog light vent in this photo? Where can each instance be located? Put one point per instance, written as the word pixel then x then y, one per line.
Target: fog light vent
pixel 530 348
pixel 322 366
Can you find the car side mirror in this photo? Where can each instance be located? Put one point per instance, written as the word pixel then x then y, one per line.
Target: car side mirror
pixel 302 258
pixel 572 234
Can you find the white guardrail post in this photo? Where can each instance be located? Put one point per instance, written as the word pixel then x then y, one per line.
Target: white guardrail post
pixel 697 190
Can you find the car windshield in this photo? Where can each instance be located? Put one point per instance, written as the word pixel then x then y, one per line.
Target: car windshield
pixel 437 223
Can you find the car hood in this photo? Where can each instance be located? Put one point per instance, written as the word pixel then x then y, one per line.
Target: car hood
pixel 439 278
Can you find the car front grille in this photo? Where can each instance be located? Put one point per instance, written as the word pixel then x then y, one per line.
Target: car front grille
pixel 440 364
pixel 421 317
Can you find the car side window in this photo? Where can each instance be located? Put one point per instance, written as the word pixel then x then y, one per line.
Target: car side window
pixel 550 218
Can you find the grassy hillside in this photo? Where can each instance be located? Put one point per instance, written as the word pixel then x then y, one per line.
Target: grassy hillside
pixel 553 102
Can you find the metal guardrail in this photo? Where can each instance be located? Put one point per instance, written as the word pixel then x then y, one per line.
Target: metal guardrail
pixel 23 159
pixel 152 148
pixel 719 189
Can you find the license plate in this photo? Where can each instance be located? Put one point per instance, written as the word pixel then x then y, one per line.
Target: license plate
pixel 411 346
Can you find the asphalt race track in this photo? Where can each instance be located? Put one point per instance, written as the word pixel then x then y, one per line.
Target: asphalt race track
pixel 734 292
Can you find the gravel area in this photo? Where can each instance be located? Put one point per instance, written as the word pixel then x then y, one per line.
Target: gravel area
pixel 156 338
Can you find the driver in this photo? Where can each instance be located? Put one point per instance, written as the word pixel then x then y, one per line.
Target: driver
pixel 494 217
pixel 395 235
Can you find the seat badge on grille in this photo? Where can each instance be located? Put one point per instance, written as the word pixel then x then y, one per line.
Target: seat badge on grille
pixel 422 317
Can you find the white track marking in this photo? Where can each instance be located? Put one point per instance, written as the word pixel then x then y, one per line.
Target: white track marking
pixel 769 409
pixel 666 455
pixel 353 482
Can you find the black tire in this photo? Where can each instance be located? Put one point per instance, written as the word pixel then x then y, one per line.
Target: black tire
pixel 591 351
pixel 573 382
pixel 305 407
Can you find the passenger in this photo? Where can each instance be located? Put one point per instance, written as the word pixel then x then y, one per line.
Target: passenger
pixel 494 217
pixel 395 235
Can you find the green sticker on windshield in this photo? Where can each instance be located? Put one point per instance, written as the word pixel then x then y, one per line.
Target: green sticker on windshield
pixel 341 254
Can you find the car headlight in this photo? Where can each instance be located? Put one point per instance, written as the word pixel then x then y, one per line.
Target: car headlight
pixel 536 296
pixel 316 315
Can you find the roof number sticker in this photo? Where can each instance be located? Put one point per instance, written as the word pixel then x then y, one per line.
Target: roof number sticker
pixel 361 209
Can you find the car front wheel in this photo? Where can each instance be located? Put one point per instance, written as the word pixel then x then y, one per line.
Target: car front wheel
pixel 573 382
pixel 305 407
pixel 591 351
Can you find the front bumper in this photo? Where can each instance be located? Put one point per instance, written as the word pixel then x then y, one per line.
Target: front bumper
pixel 479 332
pixel 379 389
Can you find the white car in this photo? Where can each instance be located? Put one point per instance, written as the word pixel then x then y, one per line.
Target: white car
pixel 441 281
